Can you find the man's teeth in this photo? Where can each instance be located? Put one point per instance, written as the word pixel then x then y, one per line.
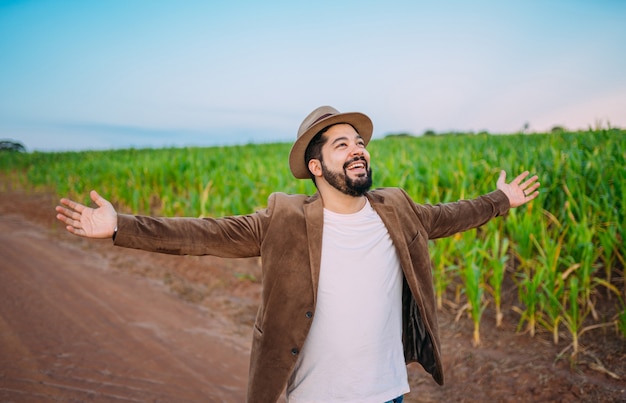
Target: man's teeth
pixel 357 165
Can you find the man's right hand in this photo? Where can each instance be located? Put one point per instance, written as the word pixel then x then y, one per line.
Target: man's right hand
pixel 86 221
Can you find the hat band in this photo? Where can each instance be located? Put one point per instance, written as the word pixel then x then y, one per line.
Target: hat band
pixel 320 118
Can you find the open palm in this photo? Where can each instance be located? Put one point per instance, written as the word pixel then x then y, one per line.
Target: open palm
pixel 519 191
pixel 88 222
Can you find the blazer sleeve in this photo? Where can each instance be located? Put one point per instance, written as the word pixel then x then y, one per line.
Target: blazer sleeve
pixel 446 219
pixel 231 237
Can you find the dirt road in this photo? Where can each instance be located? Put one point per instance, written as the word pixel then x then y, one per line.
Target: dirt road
pixel 71 330
pixel 83 321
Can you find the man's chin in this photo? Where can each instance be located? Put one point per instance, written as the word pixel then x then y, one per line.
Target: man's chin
pixel 358 177
pixel 357 172
pixel 360 186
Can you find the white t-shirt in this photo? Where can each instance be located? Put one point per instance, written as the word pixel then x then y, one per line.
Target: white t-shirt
pixel 353 352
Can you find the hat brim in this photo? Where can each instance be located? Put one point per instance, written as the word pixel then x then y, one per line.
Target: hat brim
pixel 361 123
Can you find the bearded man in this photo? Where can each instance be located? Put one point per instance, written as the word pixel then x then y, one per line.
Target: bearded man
pixel 347 298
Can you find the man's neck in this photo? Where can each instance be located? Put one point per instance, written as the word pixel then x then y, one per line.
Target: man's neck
pixel 339 202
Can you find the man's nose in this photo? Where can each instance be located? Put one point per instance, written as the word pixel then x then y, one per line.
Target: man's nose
pixel 357 150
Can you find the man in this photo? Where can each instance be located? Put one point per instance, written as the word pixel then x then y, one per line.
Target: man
pixel 347 294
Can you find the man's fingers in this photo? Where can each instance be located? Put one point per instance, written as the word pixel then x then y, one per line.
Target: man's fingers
pixel 63 214
pixel 69 214
pixel 520 178
pixel 95 197
pixel 62 218
pixel 67 202
pixel 99 200
pixel 63 210
pixel 530 181
pixel 501 178
pixel 73 205
pixel 530 185
pixel 532 189
pixel 69 221
pixel 75 231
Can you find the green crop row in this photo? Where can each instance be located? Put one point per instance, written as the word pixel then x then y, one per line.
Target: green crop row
pixel 564 252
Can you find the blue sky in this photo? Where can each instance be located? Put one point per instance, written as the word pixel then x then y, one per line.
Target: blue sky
pixel 89 74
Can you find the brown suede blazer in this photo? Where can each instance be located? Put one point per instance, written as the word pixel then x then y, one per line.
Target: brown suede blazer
pixel 288 236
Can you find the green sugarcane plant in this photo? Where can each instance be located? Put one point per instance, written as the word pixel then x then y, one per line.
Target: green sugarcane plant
pixel 442 252
pixel 572 315
pixel 621 322
pixel 496 256
pixel 552 286
pixel 529 286
pixel 473 288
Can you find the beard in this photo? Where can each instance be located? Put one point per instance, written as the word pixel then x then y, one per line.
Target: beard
pixel 342 182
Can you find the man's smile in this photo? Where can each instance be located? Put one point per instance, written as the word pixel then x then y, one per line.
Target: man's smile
pixel 359 164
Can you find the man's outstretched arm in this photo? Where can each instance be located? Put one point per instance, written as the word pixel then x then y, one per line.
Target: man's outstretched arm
pixel 88 222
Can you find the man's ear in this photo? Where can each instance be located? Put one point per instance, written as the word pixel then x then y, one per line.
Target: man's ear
pixel 315 167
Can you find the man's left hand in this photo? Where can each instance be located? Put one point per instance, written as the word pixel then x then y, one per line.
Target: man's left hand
pixel 519 191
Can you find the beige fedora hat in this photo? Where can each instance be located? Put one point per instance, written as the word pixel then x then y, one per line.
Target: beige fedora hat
pixel 317 120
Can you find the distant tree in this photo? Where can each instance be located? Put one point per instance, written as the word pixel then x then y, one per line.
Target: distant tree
pixel 399 135
pixel 557 129
pixel 430 132
pixel 10 145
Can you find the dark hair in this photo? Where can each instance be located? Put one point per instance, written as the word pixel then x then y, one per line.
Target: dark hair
pixel 314 149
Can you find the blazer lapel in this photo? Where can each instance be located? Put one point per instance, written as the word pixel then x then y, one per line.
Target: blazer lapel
pixel 314 218
pixel 389 217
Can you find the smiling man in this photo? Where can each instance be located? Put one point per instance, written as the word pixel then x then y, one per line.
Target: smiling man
pixel 347 296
